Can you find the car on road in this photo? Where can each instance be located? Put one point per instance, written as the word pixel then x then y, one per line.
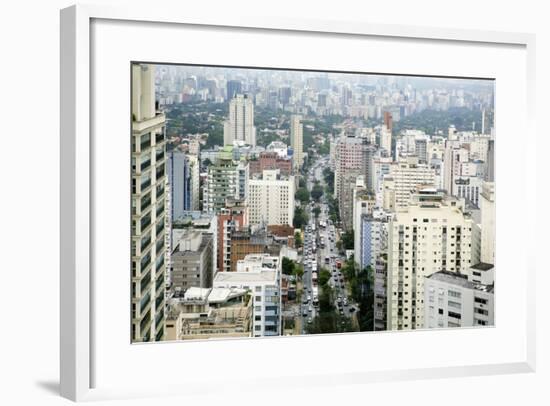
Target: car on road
pixel 309 320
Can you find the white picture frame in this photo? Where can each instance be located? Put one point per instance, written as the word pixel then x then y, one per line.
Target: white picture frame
pixel 77 282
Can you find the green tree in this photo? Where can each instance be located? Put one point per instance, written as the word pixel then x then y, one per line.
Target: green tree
pixel 298 271
pixel 324 277
pixel 298 239
pixel 300 217
pixel 302 194
pixel 288 266
pixel 317 211
pixel 348 240
pixel 317 191
pixel 302 182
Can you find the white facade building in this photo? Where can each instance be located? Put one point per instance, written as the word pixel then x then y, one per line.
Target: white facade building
pixel 488 223
pixel 405 177
pixel 271 199
pixel 432 234
pixel 451 300
pixel 239 128
pixel 260 274
pixel 297 140
pixel 149 213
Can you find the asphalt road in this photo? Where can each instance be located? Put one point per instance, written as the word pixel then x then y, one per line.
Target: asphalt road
pixel 312 243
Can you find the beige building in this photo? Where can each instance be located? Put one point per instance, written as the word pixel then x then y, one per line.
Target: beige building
pixel 149 185
pixel 271 199
pixel 297 140
pixel 487 205
pixel 210 313
pixel 239 127
pixel 432 234
pixel 404 178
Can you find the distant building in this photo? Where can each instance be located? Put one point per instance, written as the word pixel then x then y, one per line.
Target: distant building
pixel 226 179
pixel 404 178
pixel 297 140
pixel 239 127
pixel 233 87
pixel 270 160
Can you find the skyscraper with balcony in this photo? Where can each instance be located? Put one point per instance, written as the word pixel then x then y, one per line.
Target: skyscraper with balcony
pixel 432 234
pixel 239 127
pixel 149 184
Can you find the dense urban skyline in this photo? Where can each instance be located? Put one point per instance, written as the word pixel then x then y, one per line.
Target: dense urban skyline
pixel 273 202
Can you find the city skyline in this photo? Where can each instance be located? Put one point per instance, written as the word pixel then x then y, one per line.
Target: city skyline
pixel 285 202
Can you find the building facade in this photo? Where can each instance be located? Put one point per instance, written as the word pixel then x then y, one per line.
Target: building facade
pixel 432 234
pixel 239 127
pixel 297 140
pixel 149 184
pixel 271 199
pixel 261 276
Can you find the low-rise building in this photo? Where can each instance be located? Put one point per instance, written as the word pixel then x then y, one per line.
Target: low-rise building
pixel 260 275
pixel 191 260
pixel 451 300
pixel 210 313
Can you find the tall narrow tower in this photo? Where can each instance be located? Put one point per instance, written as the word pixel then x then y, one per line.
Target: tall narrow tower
pixel 297 140
pixel 239 127
pixel 149 187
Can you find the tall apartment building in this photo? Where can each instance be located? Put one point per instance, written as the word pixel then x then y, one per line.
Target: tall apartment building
pixel 488 217
pixel 404 178
pixel 194 172
pixel 354 157
pixel 239 127
pixel 233 87
pixel 271 199
pixel 451 300
pixel 149 184
pixel 297 140
pixel 179 179
pixel 385 139
pixel 225 179
pixel 380 292
pixel 191 260
pixel 373 238
pixel 233 217
pixel 363 203
pixel 261 276
pixel 432 234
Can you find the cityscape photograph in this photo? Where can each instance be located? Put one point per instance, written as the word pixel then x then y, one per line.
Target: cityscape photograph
pixel 268 202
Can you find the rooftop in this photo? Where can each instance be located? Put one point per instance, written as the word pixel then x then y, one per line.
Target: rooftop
pixel 457 279
pixel 246 277
pixel 482 266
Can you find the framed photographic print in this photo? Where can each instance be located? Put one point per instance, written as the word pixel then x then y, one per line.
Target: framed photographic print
pixel 284 186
